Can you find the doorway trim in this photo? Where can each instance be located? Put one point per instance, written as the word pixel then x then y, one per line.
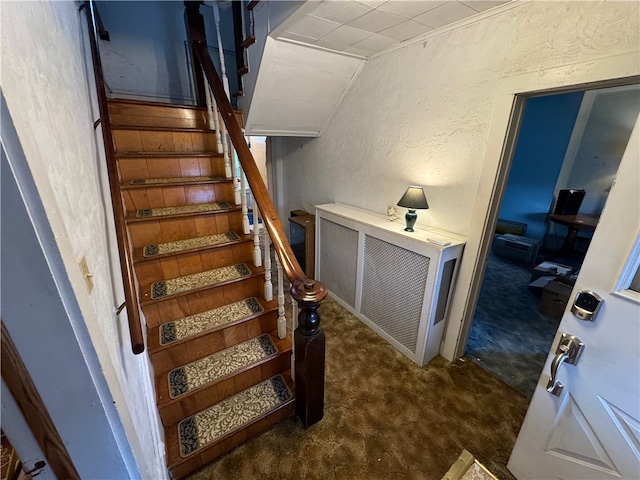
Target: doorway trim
pixel 16 376
pixel 511 94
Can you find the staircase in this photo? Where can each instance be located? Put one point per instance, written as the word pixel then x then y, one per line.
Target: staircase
pixel 221 373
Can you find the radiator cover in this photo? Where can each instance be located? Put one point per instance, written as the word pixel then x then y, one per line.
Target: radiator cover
pixel 397 283
pixel 338 264
pixel 393 284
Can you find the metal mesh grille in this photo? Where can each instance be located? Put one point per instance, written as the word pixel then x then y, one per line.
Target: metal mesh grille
pixel 338 259
pixel 393 289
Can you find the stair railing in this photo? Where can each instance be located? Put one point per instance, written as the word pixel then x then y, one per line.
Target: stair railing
pixel 309 339
pixel 130 285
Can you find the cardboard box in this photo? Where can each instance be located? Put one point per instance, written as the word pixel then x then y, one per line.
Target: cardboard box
pixel 555 297
pixel 551 269
pixel 546 272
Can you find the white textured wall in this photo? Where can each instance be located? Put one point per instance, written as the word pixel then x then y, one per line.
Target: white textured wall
pixel 422 114
pixel 50 99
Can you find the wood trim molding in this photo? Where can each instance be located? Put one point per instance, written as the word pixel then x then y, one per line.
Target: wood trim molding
pixel 19 382
pixel 122 237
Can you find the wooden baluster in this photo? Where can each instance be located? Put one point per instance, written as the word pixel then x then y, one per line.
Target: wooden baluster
pixel 237 188
pixel 245 209
pixel 211 115
pixel 228 171
pixel 218 127
pixel 257 253
pixel 282 319
pixel 309 344
pixel 268 285
pixel 215 124
pixel 225 82
pixel 223 67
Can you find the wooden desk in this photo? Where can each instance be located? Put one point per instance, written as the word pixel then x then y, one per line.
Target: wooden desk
pixel 574 223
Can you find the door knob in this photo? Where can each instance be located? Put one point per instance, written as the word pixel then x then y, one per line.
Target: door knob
pixel 569 350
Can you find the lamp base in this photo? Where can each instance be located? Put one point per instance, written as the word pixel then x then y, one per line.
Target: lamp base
pixel 410 217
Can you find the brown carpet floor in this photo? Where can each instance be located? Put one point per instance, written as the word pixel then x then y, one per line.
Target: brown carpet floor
pixel 385 418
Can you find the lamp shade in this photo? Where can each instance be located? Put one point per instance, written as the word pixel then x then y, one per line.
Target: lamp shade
pixel 414 199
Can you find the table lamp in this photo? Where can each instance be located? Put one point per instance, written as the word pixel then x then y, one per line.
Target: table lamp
pixel 413 199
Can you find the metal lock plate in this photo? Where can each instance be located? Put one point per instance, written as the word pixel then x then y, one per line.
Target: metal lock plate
pixel 586 305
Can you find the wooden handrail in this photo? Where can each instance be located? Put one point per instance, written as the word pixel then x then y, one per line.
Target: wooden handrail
pixel 313 290
pixel 124 248
pixel 309 339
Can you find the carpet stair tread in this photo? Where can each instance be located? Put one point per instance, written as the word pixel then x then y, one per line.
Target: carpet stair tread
pixel 167 288
pixel 173 181
pixel 214 368
pixel 161 250
pixel 180 211
pixel 193 326
pixel 213 429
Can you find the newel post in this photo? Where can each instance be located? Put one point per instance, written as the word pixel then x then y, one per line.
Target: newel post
pixel 309 352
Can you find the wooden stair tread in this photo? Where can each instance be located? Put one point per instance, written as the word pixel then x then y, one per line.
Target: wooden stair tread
pixel 187 245
pixel 214 368
pixel 202 437
pixel 149 103
pixel 157 128
pixel 164 289
pixel 168 154
pixel 173 181
pixel 180 211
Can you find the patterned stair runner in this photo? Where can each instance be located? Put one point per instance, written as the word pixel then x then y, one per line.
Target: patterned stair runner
pixel 156 181
pixel 199 280
pixel 231 414
pixel 220 364
pixel 189 243
pixel 199 208
pixel 205 321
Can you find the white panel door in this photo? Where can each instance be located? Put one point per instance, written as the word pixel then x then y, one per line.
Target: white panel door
pixel 591 430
